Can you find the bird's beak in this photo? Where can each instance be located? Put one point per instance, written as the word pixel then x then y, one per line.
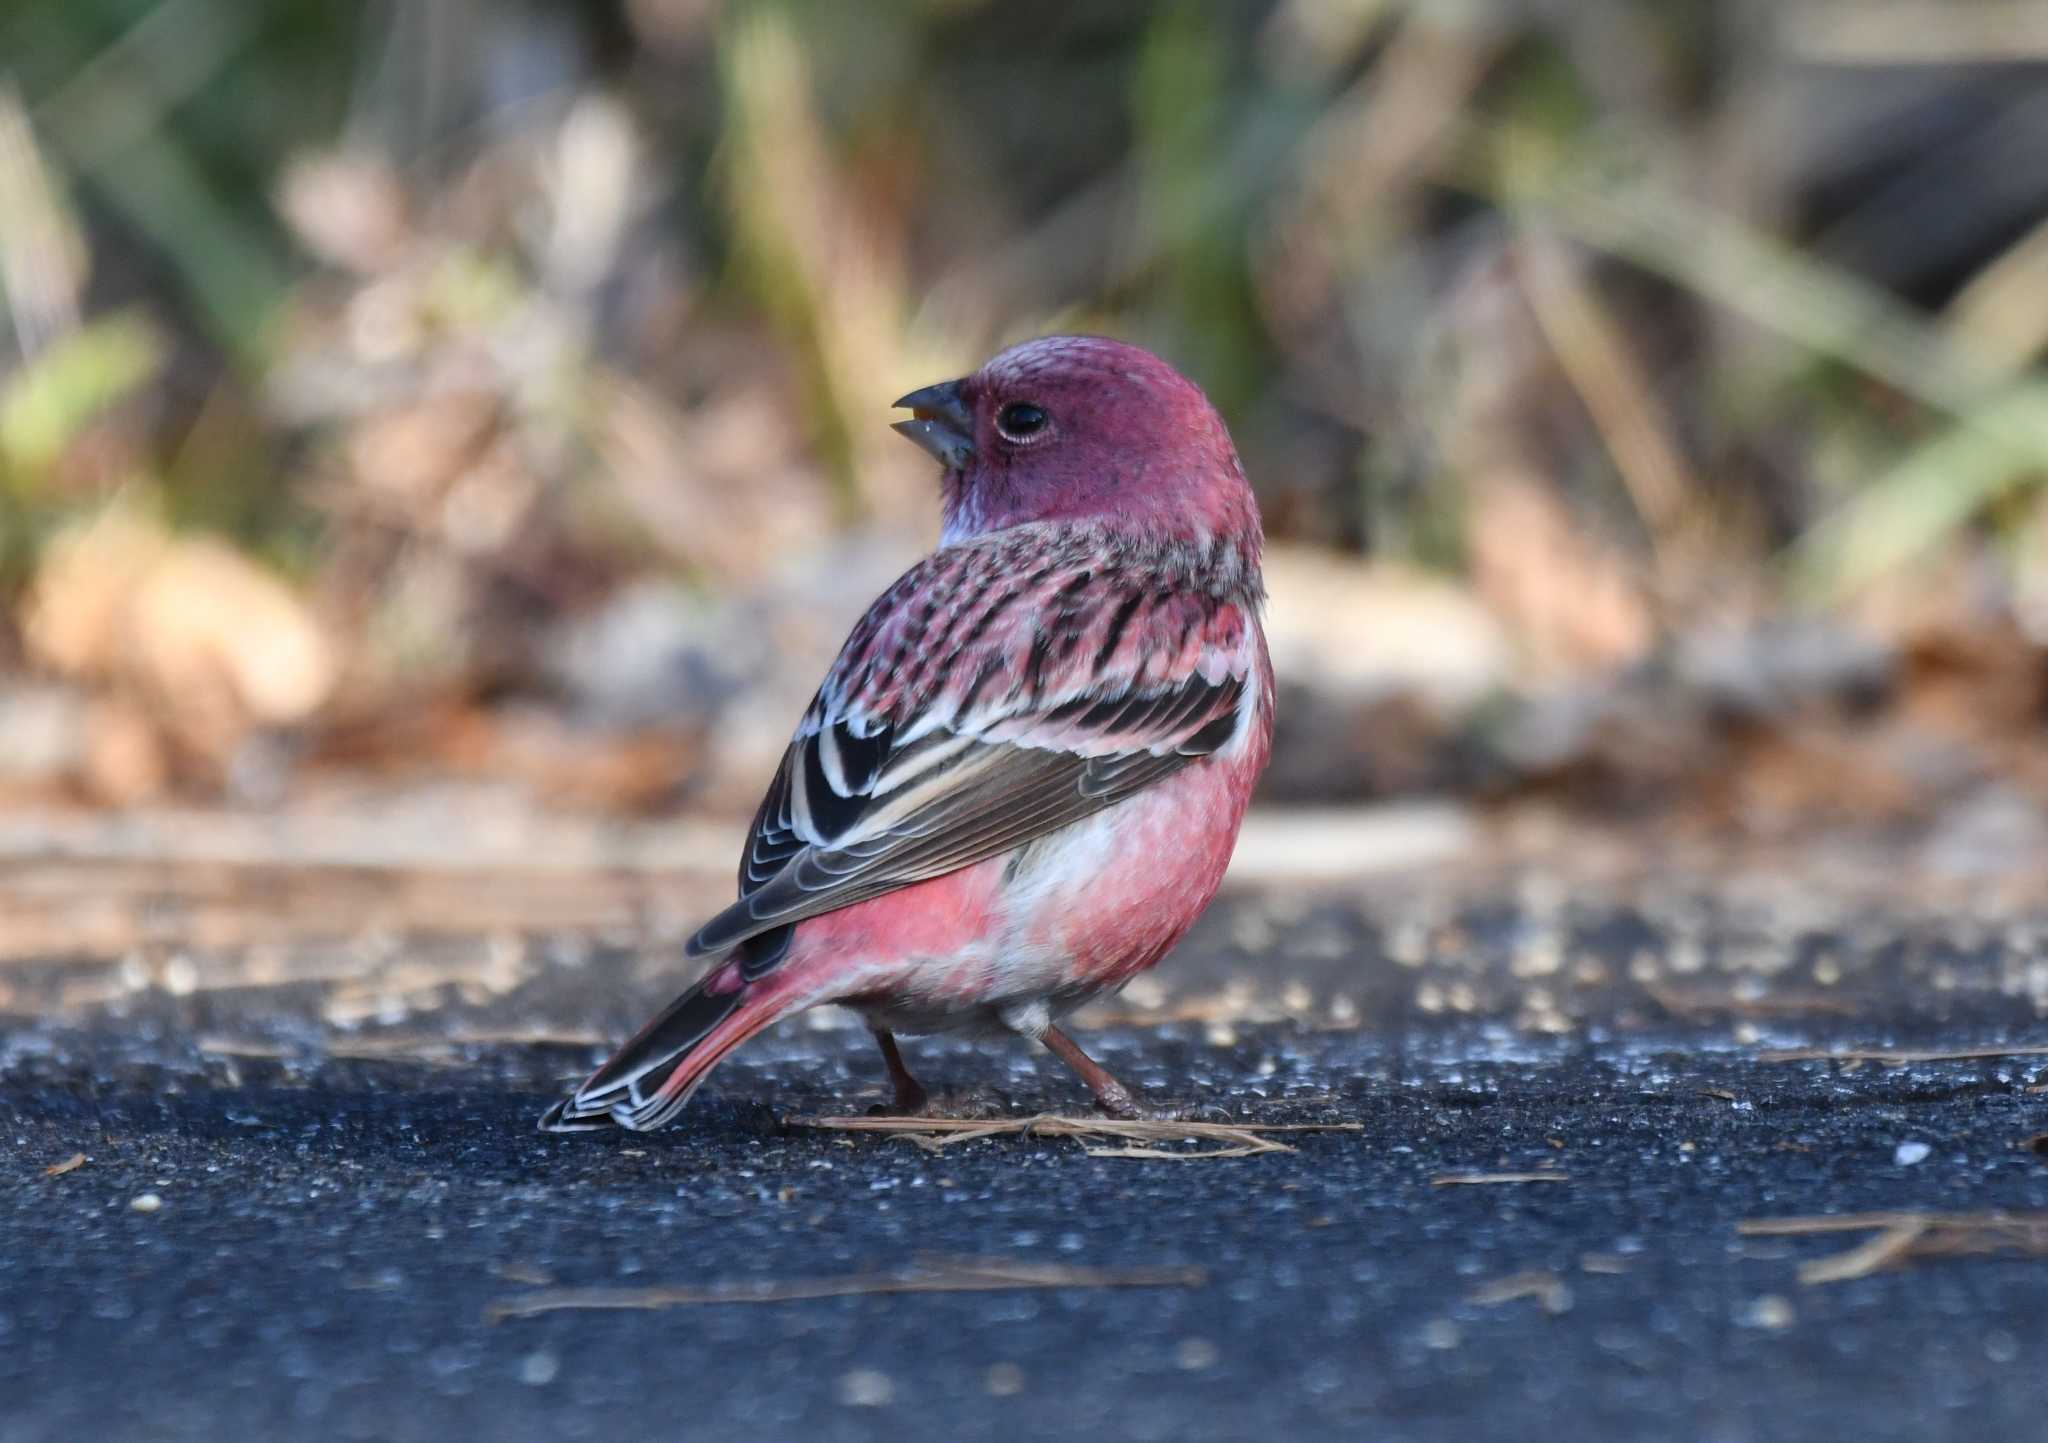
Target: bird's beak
pixel 941 423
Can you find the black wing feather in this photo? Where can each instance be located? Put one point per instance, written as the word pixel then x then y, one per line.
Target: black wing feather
pixel 985 798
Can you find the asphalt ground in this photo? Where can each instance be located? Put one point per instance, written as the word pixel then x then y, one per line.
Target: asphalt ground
pixel 288 1228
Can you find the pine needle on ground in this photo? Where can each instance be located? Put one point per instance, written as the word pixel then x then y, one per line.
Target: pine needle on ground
pixel 1907 1237
pixel 935 1134
pixel 970 1275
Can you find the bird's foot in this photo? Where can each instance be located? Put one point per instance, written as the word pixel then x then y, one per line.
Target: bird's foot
pixel 1111 1096
pixel 911 1100
pixel 1119 1103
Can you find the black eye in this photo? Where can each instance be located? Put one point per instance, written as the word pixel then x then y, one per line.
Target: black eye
pixel 1020 419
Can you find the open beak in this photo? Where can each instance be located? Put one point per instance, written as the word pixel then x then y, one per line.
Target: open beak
pixel 940 422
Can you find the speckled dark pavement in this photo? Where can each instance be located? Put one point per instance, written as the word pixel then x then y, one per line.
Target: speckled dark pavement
pixel 328 1230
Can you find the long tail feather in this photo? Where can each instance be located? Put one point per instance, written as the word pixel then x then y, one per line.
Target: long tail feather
pixel 647 1081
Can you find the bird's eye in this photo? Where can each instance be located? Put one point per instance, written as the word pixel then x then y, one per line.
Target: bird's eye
pixel 1020 420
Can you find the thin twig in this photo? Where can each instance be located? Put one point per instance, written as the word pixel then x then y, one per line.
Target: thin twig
pixel 935 1134
pixel 241 1047
pixel 1550 1290
pixel 1888 1249
pixel 1809 1225
pixel 1162 1154
pixel 1904 1237
pixel 1896 1058
pixel 966 1276
pixel 1488 1179
pixel 525 1273
pixel 1055 1125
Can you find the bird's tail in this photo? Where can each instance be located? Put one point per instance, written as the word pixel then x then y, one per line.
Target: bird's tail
pixel 646 1082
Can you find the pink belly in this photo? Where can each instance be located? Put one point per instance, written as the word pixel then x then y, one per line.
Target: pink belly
pixel 1137 897
pixel 1081 912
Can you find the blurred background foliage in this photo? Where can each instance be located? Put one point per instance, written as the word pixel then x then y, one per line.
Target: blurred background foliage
pixel 1645 400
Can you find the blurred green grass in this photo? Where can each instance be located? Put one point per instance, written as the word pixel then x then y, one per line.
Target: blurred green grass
pixel 1754 295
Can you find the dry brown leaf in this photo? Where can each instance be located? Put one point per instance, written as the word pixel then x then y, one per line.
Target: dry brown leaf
pixel 70 1164
pixel 411 454
pixel 74 613
pixel 122 757
pixel 201 639
pixel 1573 607
pixel 205 616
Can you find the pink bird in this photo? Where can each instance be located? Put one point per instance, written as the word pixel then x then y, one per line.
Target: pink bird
pixel 1022 779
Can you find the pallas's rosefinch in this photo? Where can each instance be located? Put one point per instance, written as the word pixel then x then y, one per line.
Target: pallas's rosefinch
pixel 1022 779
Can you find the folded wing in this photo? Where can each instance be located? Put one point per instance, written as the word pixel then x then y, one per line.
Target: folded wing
pixel 998 692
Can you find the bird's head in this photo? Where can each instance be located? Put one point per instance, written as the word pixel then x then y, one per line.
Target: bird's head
pixel 1085 429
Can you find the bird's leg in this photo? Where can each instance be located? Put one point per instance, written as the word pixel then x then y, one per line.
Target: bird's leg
pixel 910 1094
pixel 1110 1095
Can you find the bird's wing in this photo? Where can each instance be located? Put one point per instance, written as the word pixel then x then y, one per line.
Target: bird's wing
pixel 1001 690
